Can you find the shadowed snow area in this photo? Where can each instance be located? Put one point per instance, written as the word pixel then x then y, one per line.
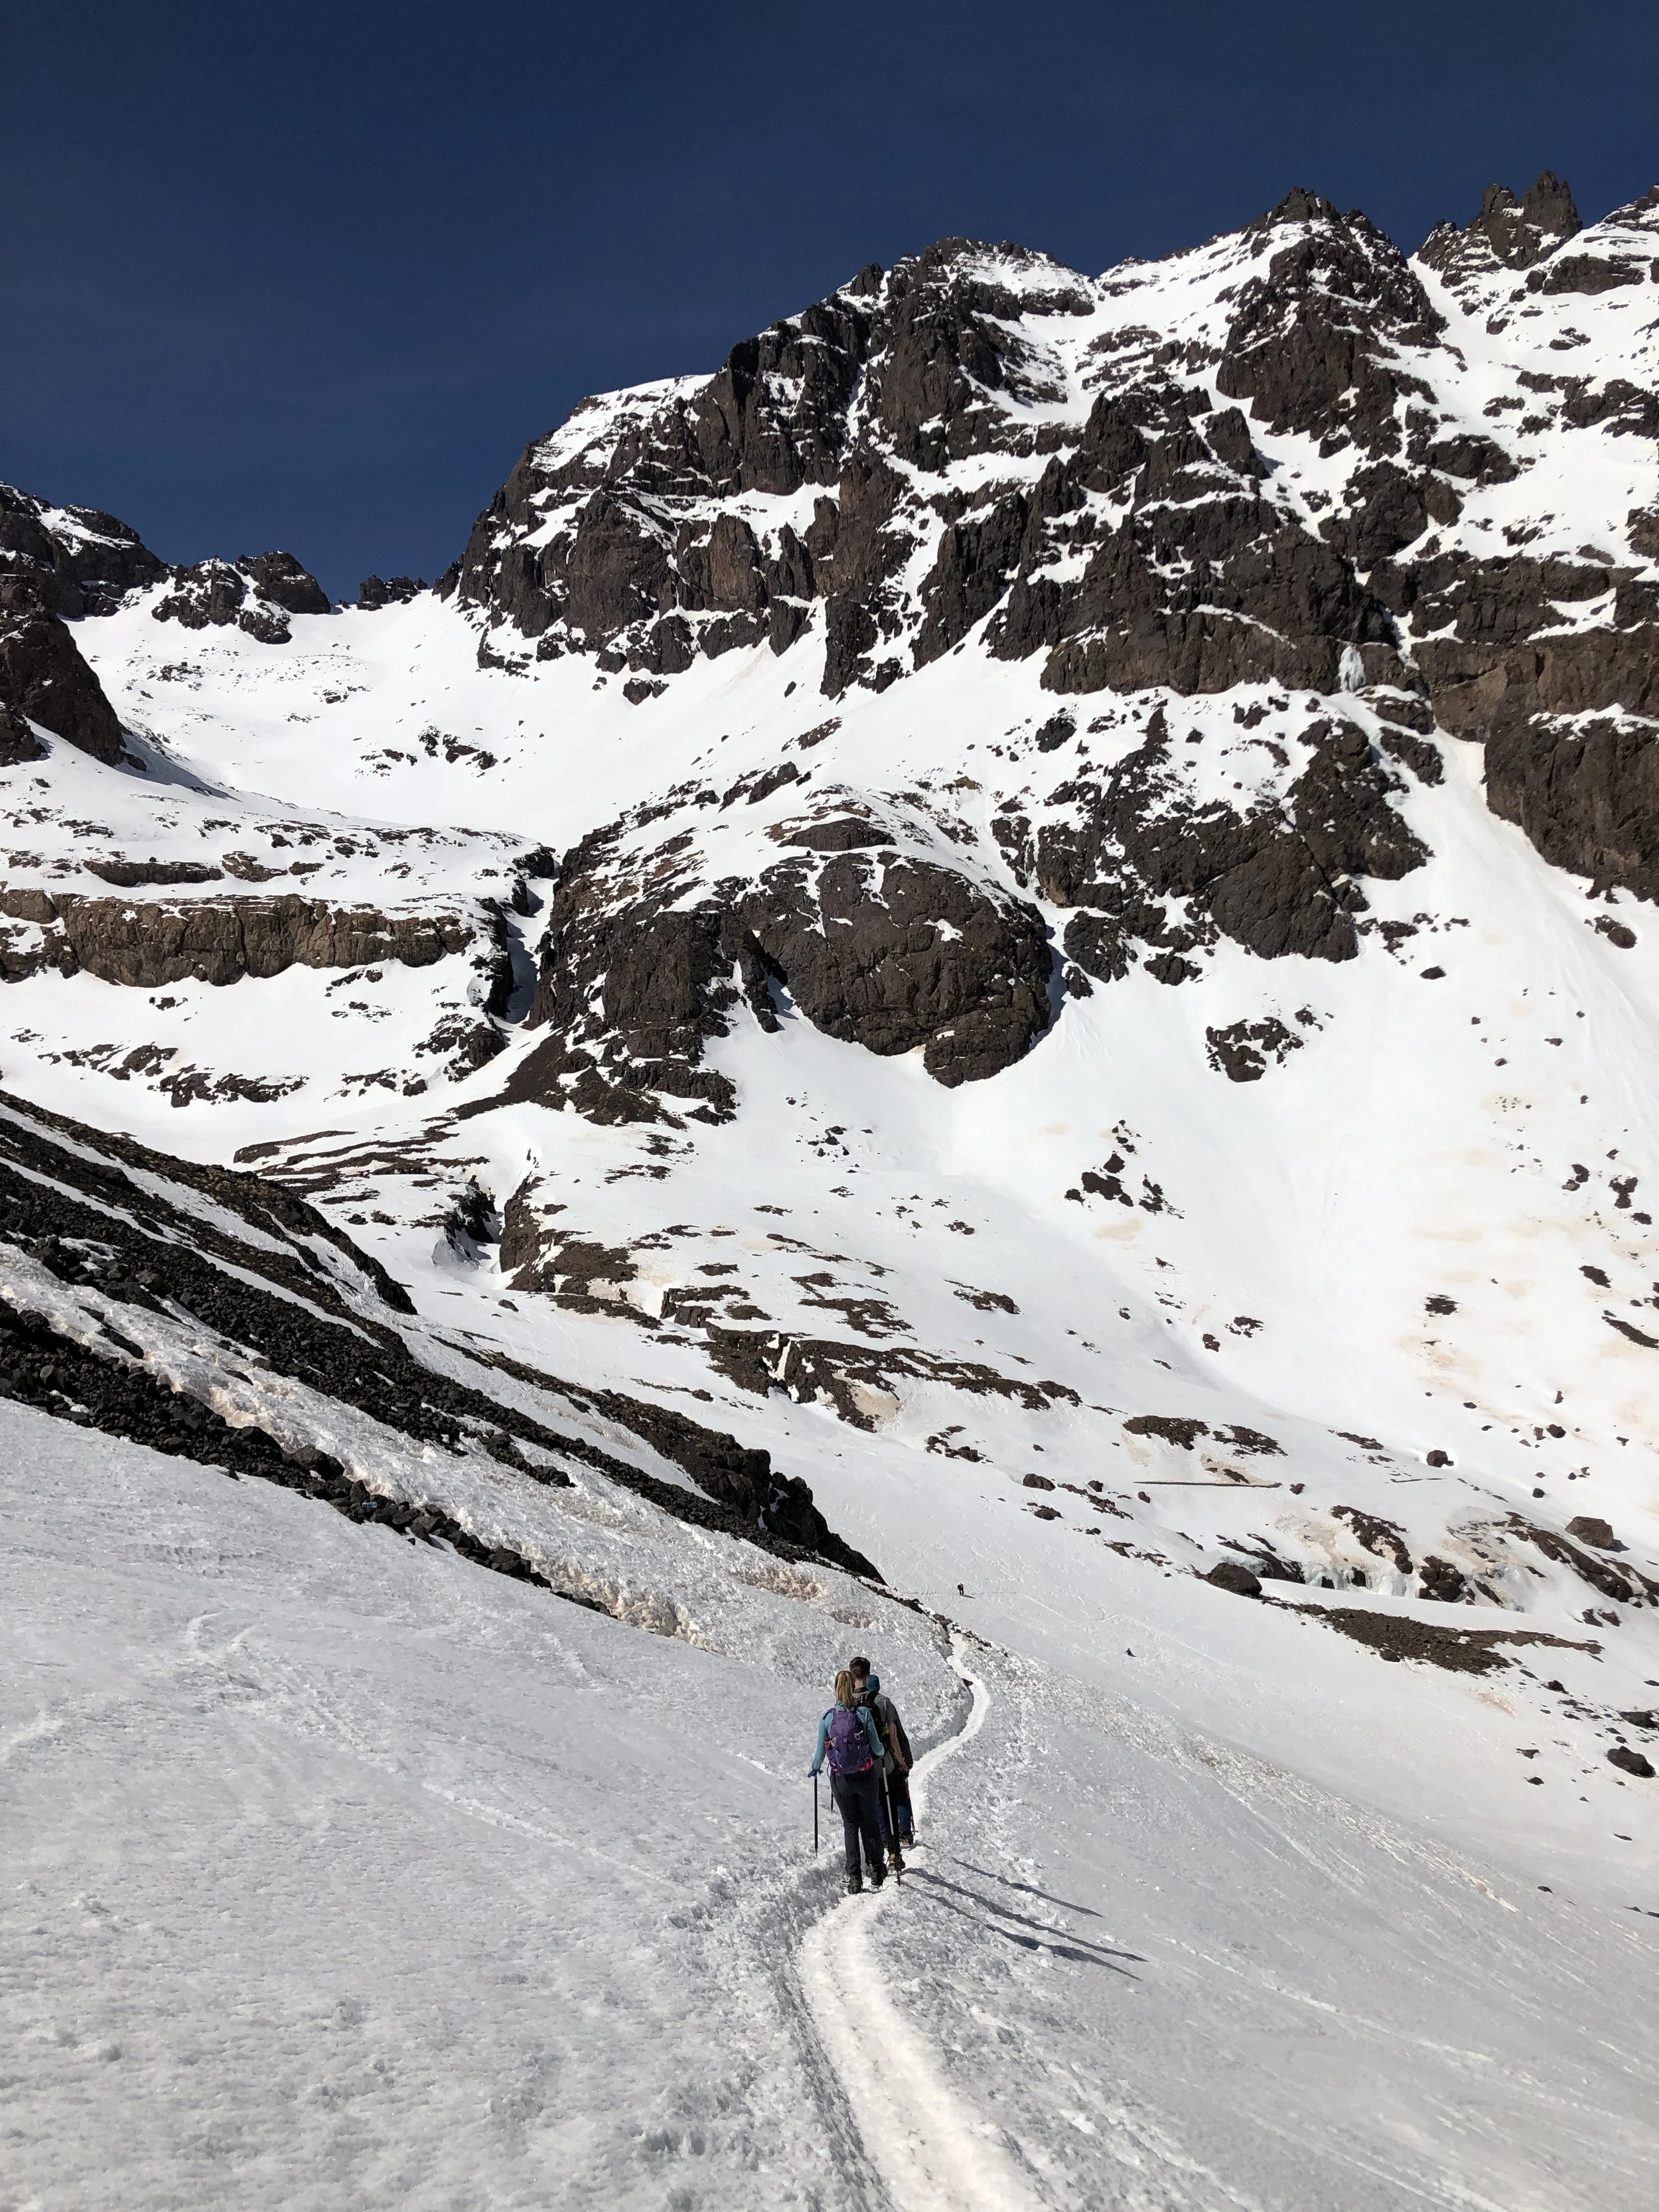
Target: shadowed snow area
pixel 982 989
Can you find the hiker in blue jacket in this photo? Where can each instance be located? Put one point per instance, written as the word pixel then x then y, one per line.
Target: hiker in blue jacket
pixel 849 1736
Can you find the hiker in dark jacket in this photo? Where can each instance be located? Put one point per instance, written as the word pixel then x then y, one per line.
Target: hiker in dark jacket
pixel 847 1735
pixel 897 1822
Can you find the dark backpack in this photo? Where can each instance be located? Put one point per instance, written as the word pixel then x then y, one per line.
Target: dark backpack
pixel 884 1713
pixel 887 1718
pixel 848 1746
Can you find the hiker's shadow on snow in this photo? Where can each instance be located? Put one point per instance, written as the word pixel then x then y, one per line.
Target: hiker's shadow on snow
pixel 1082 1950
pixel 1028 1888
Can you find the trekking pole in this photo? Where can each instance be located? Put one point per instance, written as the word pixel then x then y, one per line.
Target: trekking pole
pixel 815 1811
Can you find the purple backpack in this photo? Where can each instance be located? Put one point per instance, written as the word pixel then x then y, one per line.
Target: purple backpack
pixel 848 1746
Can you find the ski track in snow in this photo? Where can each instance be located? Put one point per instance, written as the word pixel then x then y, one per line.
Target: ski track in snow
pixel 929 2154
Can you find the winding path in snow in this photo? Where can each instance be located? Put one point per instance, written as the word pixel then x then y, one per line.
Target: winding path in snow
pixel 930 2154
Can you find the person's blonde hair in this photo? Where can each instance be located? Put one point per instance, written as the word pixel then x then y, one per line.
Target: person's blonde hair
pixel 843 1688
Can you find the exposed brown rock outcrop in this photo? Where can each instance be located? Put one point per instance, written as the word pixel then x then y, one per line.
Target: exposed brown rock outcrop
pixel 893 953
pixel 147 943
pixel 1507 232
pixel 1314 340
pixel 1156 546
pixel 883 950
pixel 1277 879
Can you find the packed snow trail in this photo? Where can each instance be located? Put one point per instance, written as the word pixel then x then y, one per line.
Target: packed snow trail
pixel 929 2153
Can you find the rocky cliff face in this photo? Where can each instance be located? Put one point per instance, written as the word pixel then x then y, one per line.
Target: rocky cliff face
pixel 258 593
pixel 1508 233
pixel 869 937
pixel 81 560
pixel 145 944
pixel 78 561
pixel 1336 491
pixel 122 870
pixel 45 679
pixel 1250 465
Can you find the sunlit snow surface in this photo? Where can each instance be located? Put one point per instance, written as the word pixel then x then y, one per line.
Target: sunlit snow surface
pixel 339 1874
pixel 346 1875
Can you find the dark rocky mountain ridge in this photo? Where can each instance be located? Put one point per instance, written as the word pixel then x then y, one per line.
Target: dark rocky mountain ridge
pixel 1251 465
pixel 981 439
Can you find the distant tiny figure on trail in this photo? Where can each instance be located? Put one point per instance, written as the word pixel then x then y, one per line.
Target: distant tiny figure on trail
pixel 848 1734
pixel 897 1823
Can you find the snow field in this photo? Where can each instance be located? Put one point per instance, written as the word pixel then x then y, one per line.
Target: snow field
pixel 345 1874
pixel 341 1874
pixel 1164 1971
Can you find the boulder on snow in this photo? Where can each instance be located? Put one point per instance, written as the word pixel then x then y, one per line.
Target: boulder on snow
pixel 1589 1529
pixel 1632 1762
pixel 1229 1574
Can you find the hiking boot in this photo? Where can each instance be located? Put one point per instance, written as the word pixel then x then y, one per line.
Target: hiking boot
pixel 855 1884
pixel 878 1875
pixel 894 1858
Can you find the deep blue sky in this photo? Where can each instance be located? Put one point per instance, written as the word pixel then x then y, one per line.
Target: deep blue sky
pixel 311 274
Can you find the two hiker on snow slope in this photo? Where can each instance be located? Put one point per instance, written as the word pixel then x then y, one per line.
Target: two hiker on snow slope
pixel 870 1762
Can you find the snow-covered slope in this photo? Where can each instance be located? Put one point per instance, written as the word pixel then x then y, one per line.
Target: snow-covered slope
pixel 1026 912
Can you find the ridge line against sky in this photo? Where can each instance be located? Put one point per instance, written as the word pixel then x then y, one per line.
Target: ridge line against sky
pixel 315 280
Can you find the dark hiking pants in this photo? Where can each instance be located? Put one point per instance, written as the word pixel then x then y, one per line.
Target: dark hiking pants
pixel 859 1797
pixel 896 1807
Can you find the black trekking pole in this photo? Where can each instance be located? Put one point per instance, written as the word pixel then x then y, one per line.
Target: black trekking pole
pixel 892 1823
pixel 815 1809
